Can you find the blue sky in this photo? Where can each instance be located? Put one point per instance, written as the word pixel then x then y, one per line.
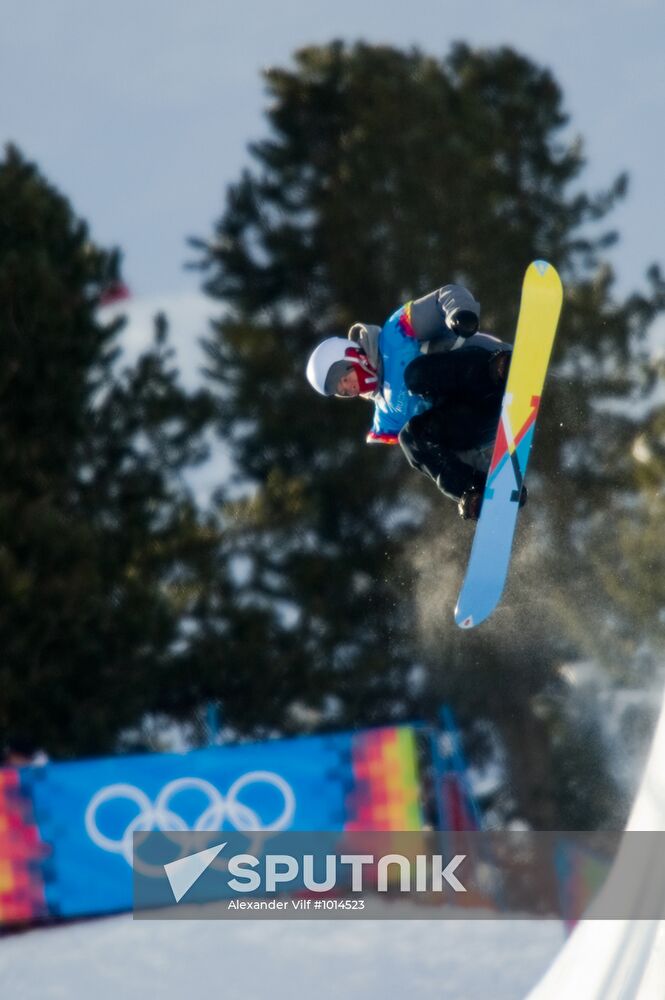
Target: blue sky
pixel 141 111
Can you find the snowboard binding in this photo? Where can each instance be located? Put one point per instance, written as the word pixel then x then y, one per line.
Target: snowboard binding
pixel 471 502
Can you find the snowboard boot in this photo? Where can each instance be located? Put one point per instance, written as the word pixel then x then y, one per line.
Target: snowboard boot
pixel 471 501
pixel 469 504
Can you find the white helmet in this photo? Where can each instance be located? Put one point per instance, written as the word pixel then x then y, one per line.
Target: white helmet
pixel 329 353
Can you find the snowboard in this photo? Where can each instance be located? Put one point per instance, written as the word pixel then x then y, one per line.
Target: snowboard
pixel 542 295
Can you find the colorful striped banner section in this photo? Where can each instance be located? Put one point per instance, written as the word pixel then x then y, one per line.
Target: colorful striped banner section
pixel 22 898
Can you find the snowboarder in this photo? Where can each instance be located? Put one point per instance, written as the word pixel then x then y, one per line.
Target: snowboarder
pixel 436 384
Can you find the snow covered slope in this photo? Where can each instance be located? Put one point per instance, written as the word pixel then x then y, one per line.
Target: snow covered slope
pixel 120 959
pixel 619 959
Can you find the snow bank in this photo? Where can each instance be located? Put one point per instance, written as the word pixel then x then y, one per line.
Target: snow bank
pixel 619 959
pixel 120 959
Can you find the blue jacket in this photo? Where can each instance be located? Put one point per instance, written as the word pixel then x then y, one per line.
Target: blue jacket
pixel 393 403
pixel 412 329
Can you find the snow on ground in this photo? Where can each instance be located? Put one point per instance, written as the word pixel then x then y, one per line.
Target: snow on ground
pixel 121 959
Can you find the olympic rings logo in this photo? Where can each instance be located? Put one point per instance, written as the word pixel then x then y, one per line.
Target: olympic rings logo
pixel 161 816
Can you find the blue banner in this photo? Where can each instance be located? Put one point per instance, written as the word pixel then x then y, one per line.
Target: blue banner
pixel 87 811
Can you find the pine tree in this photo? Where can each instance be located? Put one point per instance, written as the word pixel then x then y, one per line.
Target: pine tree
pixel 97 532
pixel 384 175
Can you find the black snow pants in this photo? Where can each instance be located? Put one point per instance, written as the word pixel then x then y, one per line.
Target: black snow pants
pixel 452 442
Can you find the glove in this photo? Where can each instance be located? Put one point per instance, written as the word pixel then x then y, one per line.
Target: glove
pixel 464 323
pixel 499 363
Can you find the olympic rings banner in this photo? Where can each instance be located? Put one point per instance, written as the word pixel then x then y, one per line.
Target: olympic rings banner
pixel 69 848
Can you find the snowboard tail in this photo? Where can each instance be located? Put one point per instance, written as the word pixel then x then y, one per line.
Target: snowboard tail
pixel 540 307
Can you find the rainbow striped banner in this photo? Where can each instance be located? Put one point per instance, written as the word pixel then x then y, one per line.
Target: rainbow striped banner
pixel 22 898
pixel 386 794
pixel 65 829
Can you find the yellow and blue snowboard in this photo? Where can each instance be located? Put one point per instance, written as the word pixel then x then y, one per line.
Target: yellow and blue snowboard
pixel 542 295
